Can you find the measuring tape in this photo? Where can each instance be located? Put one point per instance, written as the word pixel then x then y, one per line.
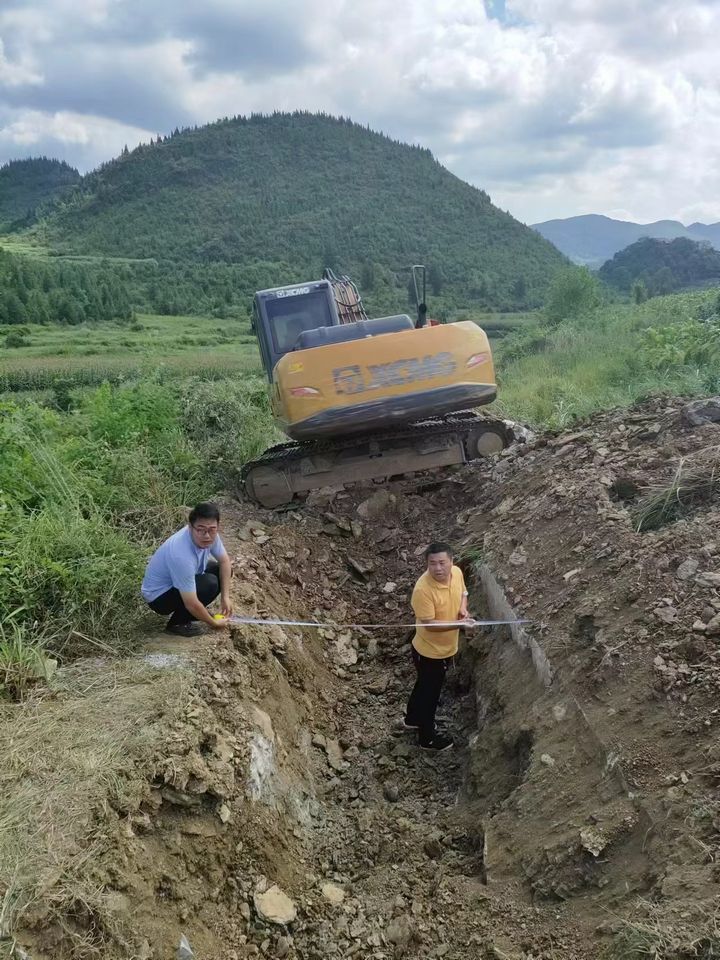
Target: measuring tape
pixel 253 621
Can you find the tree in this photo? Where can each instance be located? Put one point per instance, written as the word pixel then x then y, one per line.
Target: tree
pixel 13 310
pixel 639 292
pixel 435 279
pixel 367 275
pixel 519 288
pixel 573 292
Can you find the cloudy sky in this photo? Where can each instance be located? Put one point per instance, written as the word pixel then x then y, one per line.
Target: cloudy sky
pixel 555 107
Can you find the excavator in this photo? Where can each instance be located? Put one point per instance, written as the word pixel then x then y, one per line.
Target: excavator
pixel 364 398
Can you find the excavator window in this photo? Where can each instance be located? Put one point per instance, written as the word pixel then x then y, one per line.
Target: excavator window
pixel 292 316
pixel 282 314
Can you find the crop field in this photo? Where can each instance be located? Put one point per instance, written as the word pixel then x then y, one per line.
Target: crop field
pixel 152 345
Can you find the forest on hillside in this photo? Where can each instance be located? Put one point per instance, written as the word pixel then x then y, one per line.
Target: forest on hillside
pixel 27 185
pixel 36 291
pixel 286 195
pixel 653 267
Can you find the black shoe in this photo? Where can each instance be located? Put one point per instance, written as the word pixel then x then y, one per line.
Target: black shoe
pixel 185 629
pixel 438 744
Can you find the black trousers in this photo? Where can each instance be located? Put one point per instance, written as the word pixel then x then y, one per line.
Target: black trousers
pixel 425 694
pixel 207 587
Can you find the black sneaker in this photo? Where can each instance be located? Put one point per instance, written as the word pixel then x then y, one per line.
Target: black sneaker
pixel 438 744
pixel 185 629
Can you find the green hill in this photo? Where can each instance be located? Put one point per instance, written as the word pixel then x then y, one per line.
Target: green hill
pixel 663 266
pixel 26 185
pixel 282 196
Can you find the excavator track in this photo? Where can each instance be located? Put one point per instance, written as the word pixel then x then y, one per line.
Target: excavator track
pixel 282 471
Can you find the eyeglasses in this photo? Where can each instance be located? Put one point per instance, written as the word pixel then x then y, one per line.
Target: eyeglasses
pixel 206 531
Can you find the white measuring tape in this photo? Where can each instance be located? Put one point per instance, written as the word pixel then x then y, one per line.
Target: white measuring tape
pixel 253 621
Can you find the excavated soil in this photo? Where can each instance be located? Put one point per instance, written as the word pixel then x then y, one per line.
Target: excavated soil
pixel 578 816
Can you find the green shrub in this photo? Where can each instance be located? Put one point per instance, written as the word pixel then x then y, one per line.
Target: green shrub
pixel 14 340
pixel 229 422
pixel 123 415
pixel 73 573
pixel 574 291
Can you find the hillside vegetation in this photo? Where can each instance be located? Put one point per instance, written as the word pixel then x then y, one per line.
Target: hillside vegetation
pixel 599 356
pixel 38 292
pixel 25 185
pixel 662 266
pixel 284 195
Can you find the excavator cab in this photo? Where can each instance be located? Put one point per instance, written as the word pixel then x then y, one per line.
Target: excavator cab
pixel 282 314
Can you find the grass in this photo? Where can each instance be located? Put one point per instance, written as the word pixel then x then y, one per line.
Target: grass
pixel 23 662
pixel 165 347
pixel 29 246
pixel 661 938
pixel 23 245
pixel 554 375
pixel 64 759
pixel 692 485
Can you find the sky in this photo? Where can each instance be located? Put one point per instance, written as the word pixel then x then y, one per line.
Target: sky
pixel 554 107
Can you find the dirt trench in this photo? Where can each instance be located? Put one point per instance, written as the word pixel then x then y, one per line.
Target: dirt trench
pixel 282 812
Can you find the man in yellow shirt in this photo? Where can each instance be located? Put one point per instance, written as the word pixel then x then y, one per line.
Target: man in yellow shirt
pixel 439 598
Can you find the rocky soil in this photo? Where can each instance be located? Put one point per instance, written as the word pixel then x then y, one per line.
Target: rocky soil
pixel 285 814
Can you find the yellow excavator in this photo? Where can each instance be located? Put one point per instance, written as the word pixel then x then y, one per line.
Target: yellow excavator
pixel 366 398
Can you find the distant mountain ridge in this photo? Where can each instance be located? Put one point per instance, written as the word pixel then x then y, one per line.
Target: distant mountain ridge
pixel 592 239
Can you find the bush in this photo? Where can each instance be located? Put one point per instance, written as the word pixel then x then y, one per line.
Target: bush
pixel 74 574
pixel 123 415
pixel 14 340
pixel 229 422
pixel 573 292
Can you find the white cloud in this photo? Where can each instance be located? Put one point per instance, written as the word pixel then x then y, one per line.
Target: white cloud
pixel 554 106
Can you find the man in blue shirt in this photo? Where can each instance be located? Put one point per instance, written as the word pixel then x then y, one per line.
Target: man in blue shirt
pixel 182 580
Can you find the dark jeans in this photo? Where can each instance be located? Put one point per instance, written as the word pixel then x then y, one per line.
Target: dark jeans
pixel 425 694
pixel 207 587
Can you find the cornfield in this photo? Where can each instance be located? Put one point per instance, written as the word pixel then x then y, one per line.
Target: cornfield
pixel 25 373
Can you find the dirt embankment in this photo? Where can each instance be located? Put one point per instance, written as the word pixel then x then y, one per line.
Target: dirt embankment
pixel 267 805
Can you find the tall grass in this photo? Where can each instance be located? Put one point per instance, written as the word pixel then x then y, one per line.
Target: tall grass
pixel 85 495
pixel 553 375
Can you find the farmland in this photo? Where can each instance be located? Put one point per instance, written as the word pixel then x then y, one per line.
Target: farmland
pixel 88 354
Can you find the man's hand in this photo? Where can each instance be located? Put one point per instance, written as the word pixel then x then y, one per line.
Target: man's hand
pixel 226 606
pixel 218 623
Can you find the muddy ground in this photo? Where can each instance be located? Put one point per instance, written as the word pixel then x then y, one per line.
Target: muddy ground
pixel 273 807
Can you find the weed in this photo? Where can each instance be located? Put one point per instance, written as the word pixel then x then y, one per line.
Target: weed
pixel 660 939
pixel 692 485
pixel 22 657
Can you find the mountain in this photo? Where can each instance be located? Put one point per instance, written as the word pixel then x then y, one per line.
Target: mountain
pixel 708 231
pixel 26 185
pixel 592 239
pixel 662 265
pixel 284 195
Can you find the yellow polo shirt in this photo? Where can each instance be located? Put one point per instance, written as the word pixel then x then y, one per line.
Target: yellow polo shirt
pixel 432 600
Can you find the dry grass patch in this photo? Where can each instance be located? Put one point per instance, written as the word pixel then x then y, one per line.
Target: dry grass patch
pixel 66 757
